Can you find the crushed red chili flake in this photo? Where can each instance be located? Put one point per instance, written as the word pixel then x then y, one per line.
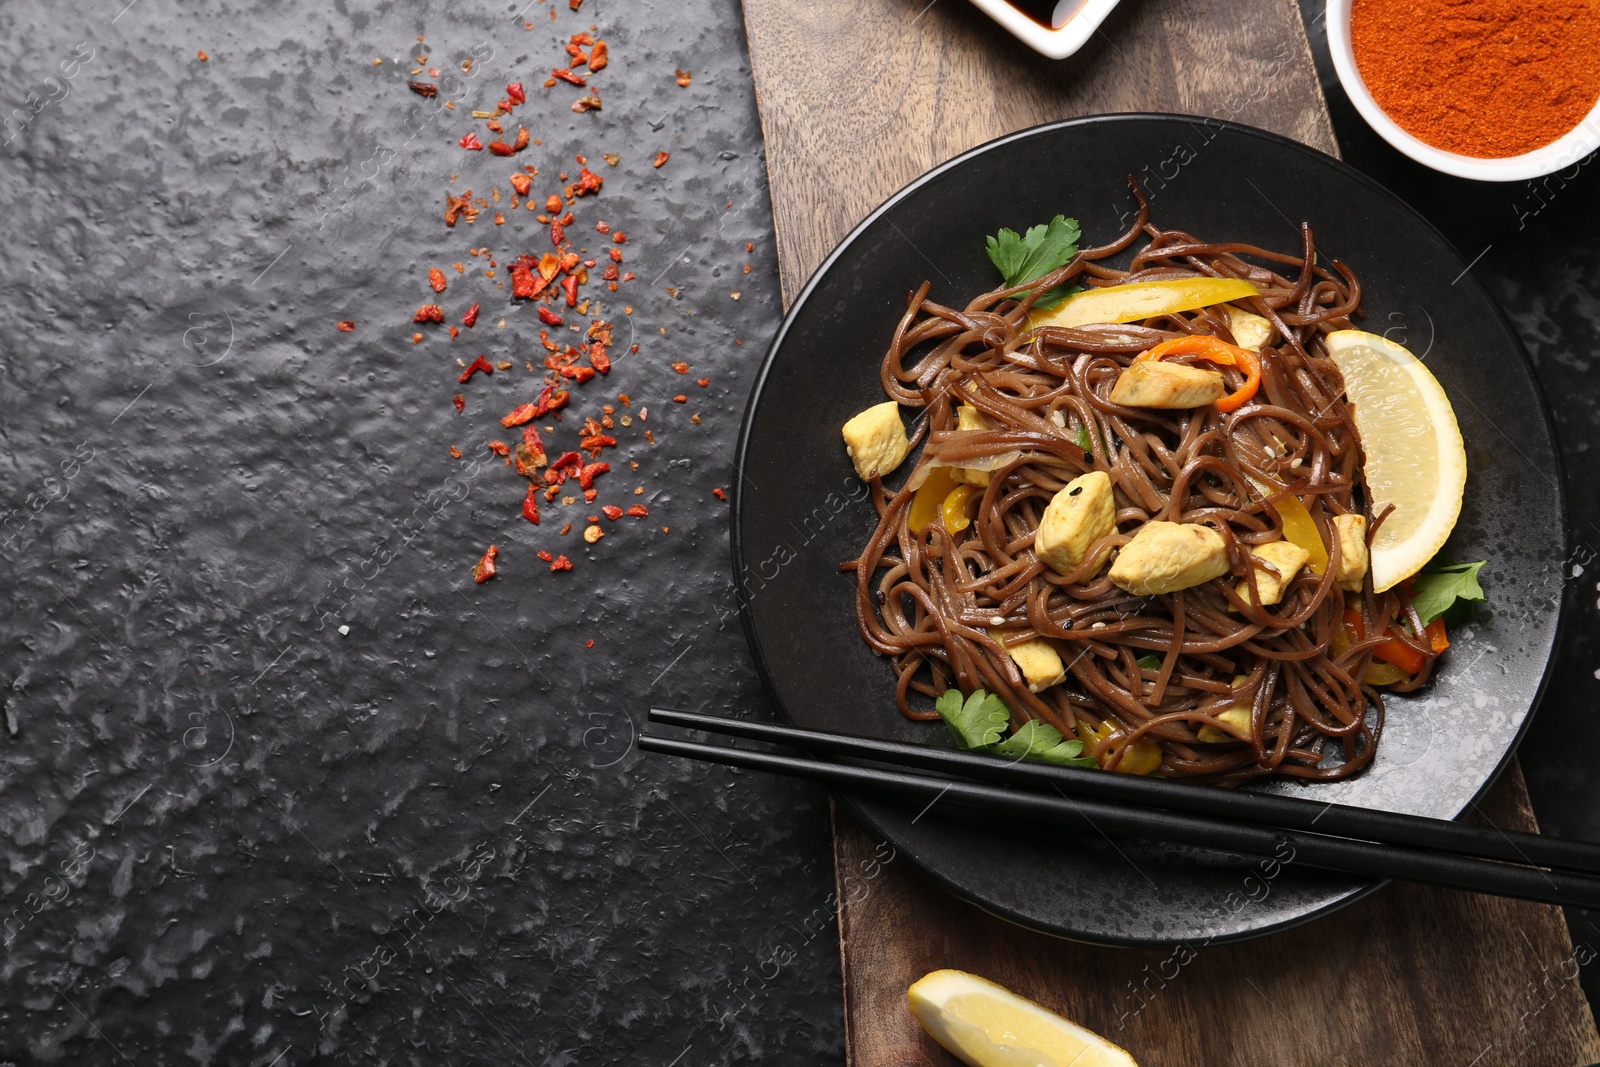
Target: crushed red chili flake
pixel 680 399
pixel 719 494
pixel 456 206
pixel 661 157
pixel 611 511
pixel 681 368
pixel 683 78
pixel 562 563
pixel 589 643
pixel 593 443
pixel 423 89
pixel 471 143
pixel 546 556
pixel 628 277
pixel 521 183
pixel 479 364
pixel 500 148
pixel 619 238
pixel 460 402
pixel 557 233
pixel 569 285
pixel 639 511
pixel 454 332
pixel 485 568
pixel 567 528
pixel 750 246
pixel 530 505
pixel 416 338
pixel 521 140
pixel 471 317
pixel 548 317
pixel 702 382
pixel 499 448
pixel 587 103
pixel 524 286
pixel 568 76
pixel 598 358
pixel 515 94
pixel 494 125
pixel 436 279
pixel 598 57
pixel 588 182
pixel 428 313
pixel 611 158
pixel 345 326
pixel 615 254
pixel 520 414
pixel 455 453
pixel 589 473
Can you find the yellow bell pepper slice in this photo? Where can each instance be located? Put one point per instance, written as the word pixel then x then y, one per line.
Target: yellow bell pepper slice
pixel 1142 300
pixel 953 512
pixel 927 504
pixel 1142 757
pixel 1299 528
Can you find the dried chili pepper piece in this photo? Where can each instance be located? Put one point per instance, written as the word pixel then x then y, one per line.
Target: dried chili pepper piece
pixel 460 402
pixel 595 442
pixel 521 183
pixel 611 511
pixel 544 555
pixel 515 94
pixel 520 414
pixel 530 505
pixel 499 448
pixel 557 232
pixel 681 368
pixel 568 76
pixel 680 399
pixel 589 473
pixel 598 57
pixel 485 568
pixel 428 313
pixel 345 326
pixel 702 382
pixel 639 511
pixel 471 143
pixel 587 103
pixel 569 286
pixel 436 279
pixel 549 318
pixel 598 358
pixel 423 89
pixel 524 286
pixel 588 182
pixel 479 364
pixel 661 158
pixel 561 563
pixel 500 148
pixel 521 140
pixel 471 316
pixel 719 494
pixel 550 399
pixel 683 78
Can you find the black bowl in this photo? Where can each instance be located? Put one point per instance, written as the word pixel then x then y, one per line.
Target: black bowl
pixel 800 510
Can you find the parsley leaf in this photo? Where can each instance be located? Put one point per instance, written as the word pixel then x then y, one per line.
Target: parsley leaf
pixel 1041 741
pixel 1149 661
pixel 1023 257
pixel 1080 435
pixel 978 722
pixel 1443 582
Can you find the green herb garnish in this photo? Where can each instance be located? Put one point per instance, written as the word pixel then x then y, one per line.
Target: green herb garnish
pixel 1021 258
pixel 979 722
pixel 1149 661
pixel 1441 584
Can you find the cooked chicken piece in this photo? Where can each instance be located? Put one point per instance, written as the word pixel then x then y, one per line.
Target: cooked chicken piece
pixel 1283 561
pixel 1237 716
pixel 1038 661
pixel 1351 530
pixel 970 418
pixel 1155 384
pixel 1077 516
pixel 876 440
pixel 1164 557
pixel 1249 329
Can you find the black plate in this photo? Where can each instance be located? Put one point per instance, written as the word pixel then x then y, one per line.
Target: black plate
pixel 800 510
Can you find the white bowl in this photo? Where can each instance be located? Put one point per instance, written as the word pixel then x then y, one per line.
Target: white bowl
pixel 1080 18
pixel 1558 155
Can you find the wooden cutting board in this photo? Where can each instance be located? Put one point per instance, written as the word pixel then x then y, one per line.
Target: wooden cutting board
pixel 857 97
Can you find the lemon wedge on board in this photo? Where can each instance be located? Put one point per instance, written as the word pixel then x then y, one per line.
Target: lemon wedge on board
pixel 987 1025
pixel 1415 458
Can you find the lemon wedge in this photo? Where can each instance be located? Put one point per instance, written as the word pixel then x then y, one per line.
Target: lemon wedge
pixel 987 1025
pixel 1414 456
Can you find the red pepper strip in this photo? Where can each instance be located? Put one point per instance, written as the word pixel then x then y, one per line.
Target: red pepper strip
pixel 485 568
pixel 548 317
pixel 530 505
pixel 1436 635
pixel 567 76
pixel 479 364
pixel 500 148
pixel 520 414
pixel 569 285
pixel 471 317
pixel 515 93
pixel 1214 350
pixel 471 143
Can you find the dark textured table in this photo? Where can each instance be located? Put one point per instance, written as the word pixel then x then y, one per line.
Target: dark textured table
pixel 237 832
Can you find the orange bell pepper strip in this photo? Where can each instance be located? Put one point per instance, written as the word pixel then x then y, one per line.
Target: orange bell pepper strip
pixel 1436 635
pixel 1393 650
pixel 1214 350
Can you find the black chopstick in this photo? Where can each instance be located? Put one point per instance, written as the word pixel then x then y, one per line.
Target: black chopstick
pixel 1256 809
pixel 1343 855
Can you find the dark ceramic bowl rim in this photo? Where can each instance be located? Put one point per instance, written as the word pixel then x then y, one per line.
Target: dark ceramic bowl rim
pixel 736 512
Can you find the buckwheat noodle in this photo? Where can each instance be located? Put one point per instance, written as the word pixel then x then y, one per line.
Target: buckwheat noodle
pixel 929 601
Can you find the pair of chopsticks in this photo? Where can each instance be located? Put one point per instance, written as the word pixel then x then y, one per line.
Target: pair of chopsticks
pixel 1333 837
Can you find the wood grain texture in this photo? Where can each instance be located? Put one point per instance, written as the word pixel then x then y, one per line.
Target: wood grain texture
pixel 857 98
pixel 1411 975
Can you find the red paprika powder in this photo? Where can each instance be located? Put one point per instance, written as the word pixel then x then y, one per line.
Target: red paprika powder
pixel 1482 78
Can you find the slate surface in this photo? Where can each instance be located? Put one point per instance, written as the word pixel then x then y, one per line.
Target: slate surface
pixel 232 834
